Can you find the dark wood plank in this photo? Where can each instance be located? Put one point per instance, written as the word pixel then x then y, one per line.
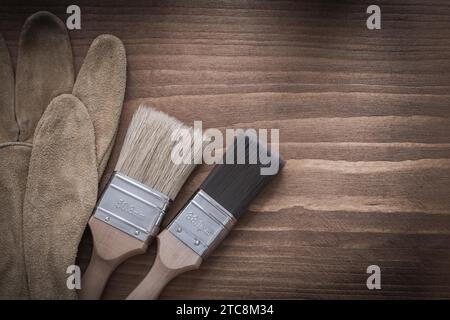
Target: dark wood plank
pixel 364 120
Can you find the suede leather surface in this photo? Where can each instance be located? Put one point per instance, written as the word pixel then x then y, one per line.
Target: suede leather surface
pixel 68 158
pixel 44 69
pixel 9 130
pixel 61 193
pixel 14 159
pixel 100 85
pixel 43 214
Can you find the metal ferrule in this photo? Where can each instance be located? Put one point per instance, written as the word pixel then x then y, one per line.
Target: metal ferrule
pixel 132 207
pixel 202 224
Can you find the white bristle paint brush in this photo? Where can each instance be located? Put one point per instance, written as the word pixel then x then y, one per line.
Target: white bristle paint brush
pixel 145 181
pixel 207 218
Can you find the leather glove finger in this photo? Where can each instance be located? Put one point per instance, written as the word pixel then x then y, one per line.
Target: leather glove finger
pixel 66 208
pixel 9 130
pixel 100 85
pixel 44 69
pixel 14 159
pixel 61 192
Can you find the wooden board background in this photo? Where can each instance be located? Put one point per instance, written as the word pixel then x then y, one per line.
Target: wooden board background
pixel 364 119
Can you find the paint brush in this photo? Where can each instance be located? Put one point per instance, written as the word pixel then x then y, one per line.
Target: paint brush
pixel 130 210
pixel 208 217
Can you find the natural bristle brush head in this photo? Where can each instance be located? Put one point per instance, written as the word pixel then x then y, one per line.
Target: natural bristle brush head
pixel 211 213
pixel 235 185
pixel 146 152
pixel 156 158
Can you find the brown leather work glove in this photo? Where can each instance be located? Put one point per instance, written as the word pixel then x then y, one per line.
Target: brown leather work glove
pixel 43 217
pixel 44 70
pixel 72 144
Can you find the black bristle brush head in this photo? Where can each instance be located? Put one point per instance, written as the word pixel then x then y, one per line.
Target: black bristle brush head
pixel 235 185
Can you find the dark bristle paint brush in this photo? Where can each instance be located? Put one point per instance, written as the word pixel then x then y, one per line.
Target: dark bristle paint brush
pixel 131 208
pixel 206 219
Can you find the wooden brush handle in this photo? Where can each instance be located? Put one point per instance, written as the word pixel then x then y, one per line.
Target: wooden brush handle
pixel 111 248
pixel 96 276
pixel 173 258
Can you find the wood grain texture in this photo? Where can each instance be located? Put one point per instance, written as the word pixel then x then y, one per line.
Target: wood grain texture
pixel 364 119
